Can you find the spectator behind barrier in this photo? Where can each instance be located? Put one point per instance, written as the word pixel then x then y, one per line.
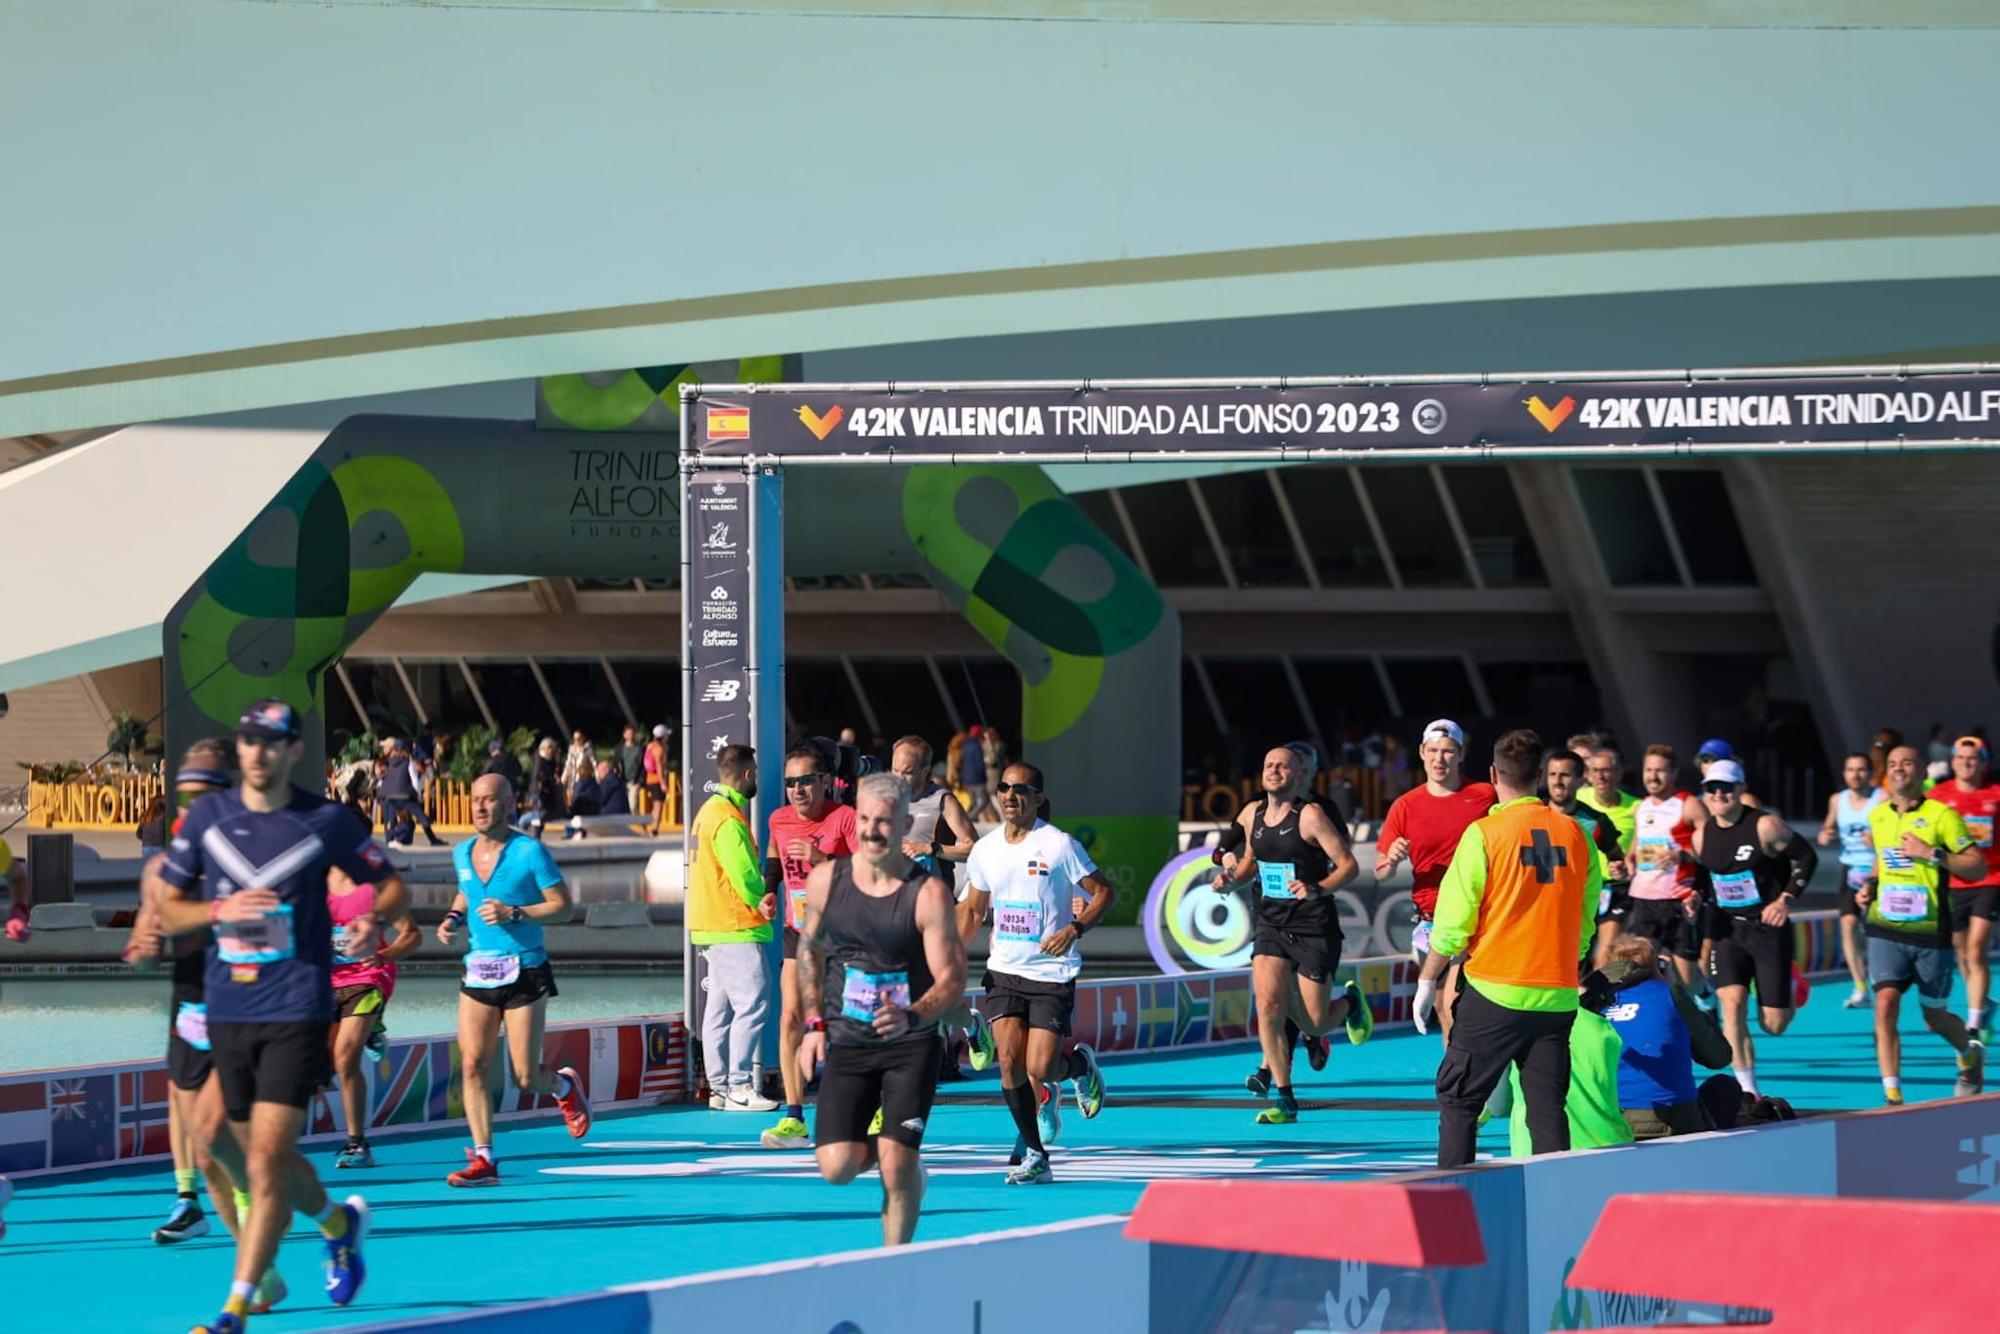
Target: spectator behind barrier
pixel 1595 1119
pixel 1663 1034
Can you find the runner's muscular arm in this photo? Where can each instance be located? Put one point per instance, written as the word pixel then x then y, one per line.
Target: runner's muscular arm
pixel 1314 825
pixel 812 959
pixel 1245 869
pixel 943 951
pixel 960 824
pixel 1092 912
pixel 407 940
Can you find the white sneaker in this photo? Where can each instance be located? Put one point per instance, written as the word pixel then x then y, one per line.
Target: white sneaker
pixel 749 1100
pixel 1033 1171
pixel 718 1101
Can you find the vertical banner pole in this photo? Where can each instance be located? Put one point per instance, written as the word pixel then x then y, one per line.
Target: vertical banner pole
pixel 764 689
pixel 690 1012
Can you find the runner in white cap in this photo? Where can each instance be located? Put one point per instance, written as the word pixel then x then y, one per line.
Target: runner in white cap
pixel 1423 827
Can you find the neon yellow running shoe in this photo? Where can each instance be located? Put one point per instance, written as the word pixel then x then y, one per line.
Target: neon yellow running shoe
pixel 790 1133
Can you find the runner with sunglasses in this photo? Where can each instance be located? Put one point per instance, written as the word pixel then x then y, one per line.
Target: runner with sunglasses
pixel 1756 868
pixel 810 828
pixel 1031 872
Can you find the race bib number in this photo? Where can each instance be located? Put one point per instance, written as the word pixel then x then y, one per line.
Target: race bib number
pixel 1604 901
pixel 339 939
pixel 1857 876
pixel 1655 853
pixel 1420 940
pixel 1906 903
pixel 864 993
pixel 798 897
pixel 260 940
pixel 1981 829
pixel 1736 889
pixel 191 1022
pixel 492 970
pixel 1018 921
pixel 1276 879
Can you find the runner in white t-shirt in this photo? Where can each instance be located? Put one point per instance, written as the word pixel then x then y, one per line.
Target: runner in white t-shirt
pixel 1029 871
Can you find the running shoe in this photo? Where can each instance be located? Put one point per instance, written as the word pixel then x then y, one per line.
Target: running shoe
pixel 1259 1083
pixel 575 1106
pixel 1033 1171
pixel 1317 1051
pixel 718 1101
pixel 355 1153
pixel 1892 1098
pixel 979 1044
pixel 1801 989
pixel 185 1222
pixel 344 1267
pixel 1282 1112
pixel 477 1171
pixel 875 1125
pixel 1360 1016
pixel 271 1290
pixel 789 1133
pixel 1048 1118
pixel 740 1100
pixel 226 1323
pixel 1089 1085
pixel 1971 1071
pixel 1855 1000
pixel 17 923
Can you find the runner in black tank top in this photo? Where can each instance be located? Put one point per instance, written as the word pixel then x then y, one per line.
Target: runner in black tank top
pixel 873 950
pixel 1297 860
pixel 880 968
pixel 1756 866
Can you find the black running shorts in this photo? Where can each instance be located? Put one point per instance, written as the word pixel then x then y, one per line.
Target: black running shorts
pixel 899 1078
pixel 276 1062
pixel 1046 1005
pixel 534 984
pixel 1667 924
pixel 1753 952
pixel 1967 904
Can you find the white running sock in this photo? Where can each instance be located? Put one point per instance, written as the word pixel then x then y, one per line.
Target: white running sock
pixel 1748 1079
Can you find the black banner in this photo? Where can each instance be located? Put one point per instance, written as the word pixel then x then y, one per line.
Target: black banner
pixel 1521 414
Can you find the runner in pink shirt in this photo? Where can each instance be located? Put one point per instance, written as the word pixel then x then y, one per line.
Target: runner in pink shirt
pixel 361 991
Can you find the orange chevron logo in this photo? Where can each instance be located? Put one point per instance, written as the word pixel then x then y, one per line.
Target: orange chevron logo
pixel 1551 417
pixel 821 427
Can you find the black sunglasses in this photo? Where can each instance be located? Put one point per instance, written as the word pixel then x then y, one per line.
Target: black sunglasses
pixel 803 780
pixel 1004 788
pixel 1718 789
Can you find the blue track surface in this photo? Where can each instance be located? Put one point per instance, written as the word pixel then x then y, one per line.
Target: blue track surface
pixel 677 1191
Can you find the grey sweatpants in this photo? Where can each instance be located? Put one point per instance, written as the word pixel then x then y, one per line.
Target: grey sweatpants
pixel 732 1022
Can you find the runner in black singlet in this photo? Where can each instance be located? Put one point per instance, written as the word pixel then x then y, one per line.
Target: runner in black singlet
pixel 880 967
pixel 1756 867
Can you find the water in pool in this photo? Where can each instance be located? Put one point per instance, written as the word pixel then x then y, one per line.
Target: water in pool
pixel 48 1022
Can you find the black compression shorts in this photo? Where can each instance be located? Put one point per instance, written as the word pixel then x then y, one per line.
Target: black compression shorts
pixel 899 1078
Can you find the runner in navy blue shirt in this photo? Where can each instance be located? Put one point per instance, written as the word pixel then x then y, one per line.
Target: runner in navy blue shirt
pixel 251 864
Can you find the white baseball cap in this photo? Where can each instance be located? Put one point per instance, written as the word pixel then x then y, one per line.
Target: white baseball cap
pixel 1723 771
pixel 1442 727
pixel 660 730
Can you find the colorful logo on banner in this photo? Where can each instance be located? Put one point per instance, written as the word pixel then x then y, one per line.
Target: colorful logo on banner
pixel 1191 927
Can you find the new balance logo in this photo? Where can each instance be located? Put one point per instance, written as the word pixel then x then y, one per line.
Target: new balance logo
pixel 721 692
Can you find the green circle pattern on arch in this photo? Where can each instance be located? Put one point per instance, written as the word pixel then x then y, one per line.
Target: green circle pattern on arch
pixel 577 402
pixel 1005 587
pixel 304 569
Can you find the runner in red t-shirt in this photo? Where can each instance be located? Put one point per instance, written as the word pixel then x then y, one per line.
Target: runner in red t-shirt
pixel 1972 792
pixel 1423 828
pixel 808 829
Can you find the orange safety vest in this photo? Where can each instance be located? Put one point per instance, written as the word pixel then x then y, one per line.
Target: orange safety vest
pixel 1531 915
